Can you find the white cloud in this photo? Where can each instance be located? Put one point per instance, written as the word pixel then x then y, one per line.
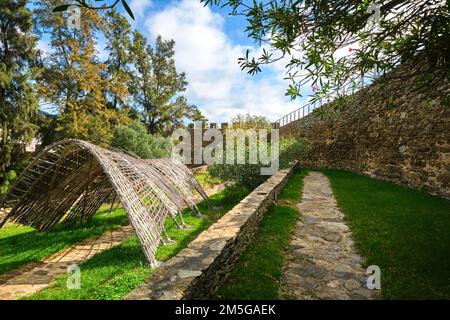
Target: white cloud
pixel 210 59
pixel 139 6
pixel 44 47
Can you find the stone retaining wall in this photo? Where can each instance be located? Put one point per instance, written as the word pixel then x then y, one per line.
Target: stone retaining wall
pixel 201 268
pixel 391 130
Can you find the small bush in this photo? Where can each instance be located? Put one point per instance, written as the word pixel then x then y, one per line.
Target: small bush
pixel 292 149
pixel 249 175
pixel 135 138
pixel 7 177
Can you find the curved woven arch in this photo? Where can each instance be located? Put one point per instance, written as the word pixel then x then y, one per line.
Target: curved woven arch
pixel 68 182
pixel 181 178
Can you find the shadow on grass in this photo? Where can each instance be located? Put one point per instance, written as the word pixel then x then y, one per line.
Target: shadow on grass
pixel 403 231
pixel 113 273
pixel 258 272
pixel 20 244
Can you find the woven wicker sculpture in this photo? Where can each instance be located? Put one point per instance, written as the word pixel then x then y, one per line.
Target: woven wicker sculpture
pixel 69 181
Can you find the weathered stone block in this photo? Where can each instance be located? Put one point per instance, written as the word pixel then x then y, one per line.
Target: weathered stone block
pixel 387 143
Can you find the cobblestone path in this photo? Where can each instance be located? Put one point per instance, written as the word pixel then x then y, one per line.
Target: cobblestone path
pixel 33 277
pixel 322 262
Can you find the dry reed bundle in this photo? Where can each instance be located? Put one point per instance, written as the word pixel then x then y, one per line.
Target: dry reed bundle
pixel 69 181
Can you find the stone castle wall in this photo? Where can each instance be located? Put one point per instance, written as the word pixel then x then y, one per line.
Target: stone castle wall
pixel 392 130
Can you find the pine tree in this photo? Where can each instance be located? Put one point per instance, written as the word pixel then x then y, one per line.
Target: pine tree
pixel 18 102
pixel 156 86
pixel 117 32
pixel 72 79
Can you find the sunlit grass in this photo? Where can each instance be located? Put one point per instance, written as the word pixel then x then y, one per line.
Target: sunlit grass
pixel 258 272
pixel 21 244
pixel 205 179
pixel 113 273
pixel 403 231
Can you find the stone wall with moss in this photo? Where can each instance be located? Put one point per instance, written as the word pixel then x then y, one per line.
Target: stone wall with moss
pixel 398 130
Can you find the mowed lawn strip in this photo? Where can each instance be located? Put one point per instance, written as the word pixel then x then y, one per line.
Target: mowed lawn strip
pixel 258 273
pixel 21 244
pixel 404 231
pixel 113 273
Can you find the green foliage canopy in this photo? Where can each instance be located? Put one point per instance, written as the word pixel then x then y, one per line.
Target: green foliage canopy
pixel 308 33
pixel 19 67
pixel 249 175
pixel 135 138
pixel 156 85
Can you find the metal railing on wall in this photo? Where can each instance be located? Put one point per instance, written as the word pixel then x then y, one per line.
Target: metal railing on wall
pixel 353 85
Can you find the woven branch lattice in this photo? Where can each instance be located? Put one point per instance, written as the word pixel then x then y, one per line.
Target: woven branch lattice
pixel 181 177
pixel 69 181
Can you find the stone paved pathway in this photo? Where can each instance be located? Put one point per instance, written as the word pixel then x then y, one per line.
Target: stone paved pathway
pixel 35 276
pixel 323 263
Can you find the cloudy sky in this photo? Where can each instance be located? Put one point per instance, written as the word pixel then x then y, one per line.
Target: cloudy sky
pixel 208 45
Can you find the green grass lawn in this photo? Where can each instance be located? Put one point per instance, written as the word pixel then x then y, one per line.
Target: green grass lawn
pixel 258 272
pixel 20 244
pixel 113 273
pixel 404 231
pixel 205 179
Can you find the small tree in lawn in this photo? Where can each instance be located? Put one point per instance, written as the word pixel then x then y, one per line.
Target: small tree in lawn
pixel 136 139
pixel 249 174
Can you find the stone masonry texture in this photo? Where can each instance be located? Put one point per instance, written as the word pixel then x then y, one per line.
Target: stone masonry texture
pixel 392 130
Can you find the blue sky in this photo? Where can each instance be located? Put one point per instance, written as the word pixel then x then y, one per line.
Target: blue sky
pixel 208 44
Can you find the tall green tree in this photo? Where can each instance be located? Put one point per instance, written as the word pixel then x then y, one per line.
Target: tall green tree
pixel 73 76
pixel 117 32
pixel 18 67
pixel 156 86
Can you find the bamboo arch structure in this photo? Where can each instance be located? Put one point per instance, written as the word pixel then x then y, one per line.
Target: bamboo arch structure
pixel 68 182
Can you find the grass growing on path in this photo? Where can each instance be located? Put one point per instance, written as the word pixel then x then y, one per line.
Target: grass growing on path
pixel 258 272
pixel 113 273
pixel 20 244
pixel 404 231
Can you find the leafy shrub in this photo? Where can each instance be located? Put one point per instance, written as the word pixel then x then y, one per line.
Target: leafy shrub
pixel 19 159
pixel 135 138
pixel 292 149
pixel 6 179
pixel 249 175
pixel 248 121
pixel 18 163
